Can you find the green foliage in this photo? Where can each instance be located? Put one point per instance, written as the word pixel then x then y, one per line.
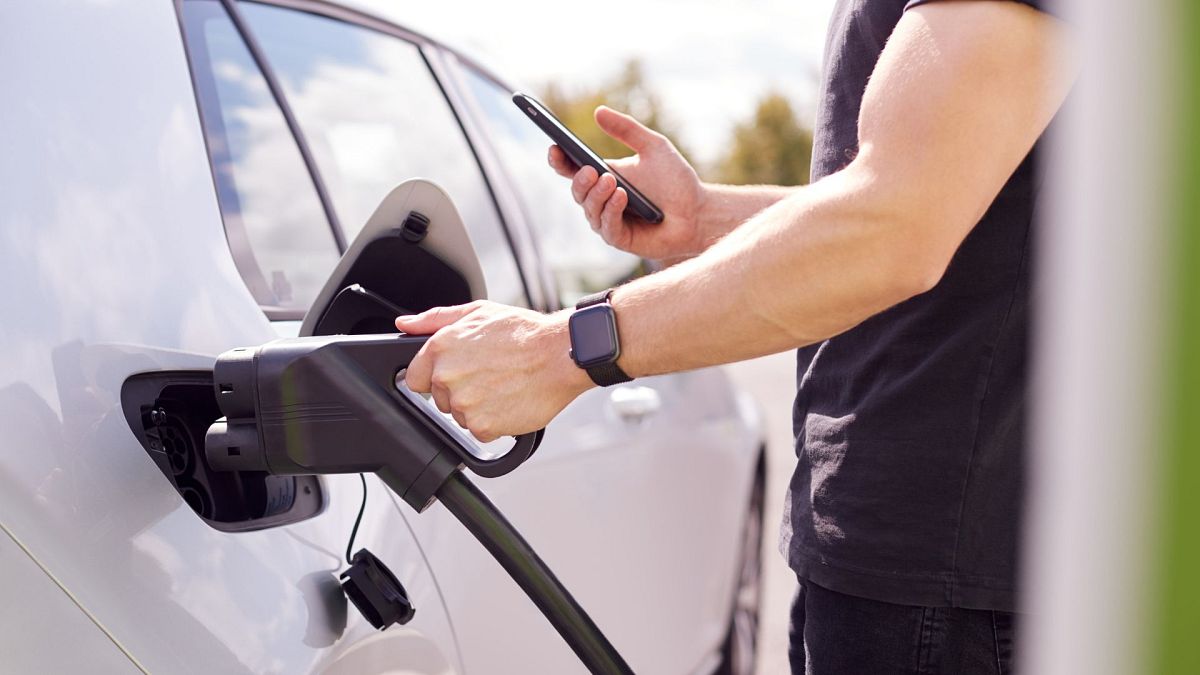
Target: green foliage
pixel 771 149
pixel 628 92
pixel 1176 601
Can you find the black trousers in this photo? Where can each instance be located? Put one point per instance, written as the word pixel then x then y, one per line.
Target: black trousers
pixel 837 634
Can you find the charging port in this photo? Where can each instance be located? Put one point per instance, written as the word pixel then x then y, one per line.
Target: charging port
pixel 170 412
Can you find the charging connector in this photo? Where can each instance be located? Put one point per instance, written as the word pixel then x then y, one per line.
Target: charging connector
pixel 322 405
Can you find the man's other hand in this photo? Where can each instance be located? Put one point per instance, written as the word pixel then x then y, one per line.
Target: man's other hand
pixel 659 172
pixel 498 370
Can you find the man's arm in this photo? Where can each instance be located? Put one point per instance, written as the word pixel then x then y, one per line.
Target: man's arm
pixel 960 95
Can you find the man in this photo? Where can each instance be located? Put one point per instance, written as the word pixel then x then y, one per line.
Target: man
pixel 902 274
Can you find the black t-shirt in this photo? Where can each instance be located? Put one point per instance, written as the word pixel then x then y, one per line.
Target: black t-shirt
pixel 910 427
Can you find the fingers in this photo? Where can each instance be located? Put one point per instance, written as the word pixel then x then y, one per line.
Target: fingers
pixel 441 397
pixel 562 164
pixel 419 377
pixel 484 437
pixel 627 130
pixel 459 419
pixel 420 371
pixel 416 376
pixel 430 321
pixel 582 183
pixel 612 218
pixel 597 197
pixel 419 374
pixel 602 201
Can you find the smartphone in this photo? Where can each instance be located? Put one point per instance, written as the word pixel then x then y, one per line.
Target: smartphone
pixel 582 155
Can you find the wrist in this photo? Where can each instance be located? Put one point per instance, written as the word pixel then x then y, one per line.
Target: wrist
pixel 704 219
pixel 556 346
pixel 723 208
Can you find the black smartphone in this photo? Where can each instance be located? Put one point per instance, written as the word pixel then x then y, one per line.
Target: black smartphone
pixel 582 155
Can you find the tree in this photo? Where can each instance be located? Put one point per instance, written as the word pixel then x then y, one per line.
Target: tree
pixel 628 92
pixel 773 148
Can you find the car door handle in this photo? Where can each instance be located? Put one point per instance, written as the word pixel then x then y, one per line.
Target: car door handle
pixel 634 404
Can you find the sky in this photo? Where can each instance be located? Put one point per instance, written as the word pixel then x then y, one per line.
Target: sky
pixel 710 61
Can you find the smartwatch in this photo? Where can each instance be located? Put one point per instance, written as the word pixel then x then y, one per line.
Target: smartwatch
pixel 595 346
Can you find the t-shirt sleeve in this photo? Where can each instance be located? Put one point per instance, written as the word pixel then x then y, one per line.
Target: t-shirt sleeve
pixel 1039 5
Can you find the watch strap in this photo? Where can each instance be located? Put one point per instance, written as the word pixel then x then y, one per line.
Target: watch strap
pixel 594 299
pixel 604 374
pixel 608 374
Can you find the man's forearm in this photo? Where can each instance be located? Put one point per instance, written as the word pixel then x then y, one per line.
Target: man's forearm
pixel 805 269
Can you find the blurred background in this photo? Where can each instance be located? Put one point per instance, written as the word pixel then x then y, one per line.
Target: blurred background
pixel 733 84
pixel 1112 543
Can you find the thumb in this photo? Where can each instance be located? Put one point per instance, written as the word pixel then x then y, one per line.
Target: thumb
pixel 626 129
pixel 432 320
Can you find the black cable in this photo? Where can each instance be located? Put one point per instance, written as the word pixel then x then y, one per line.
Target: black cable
pixel 473 509
pixel 362 507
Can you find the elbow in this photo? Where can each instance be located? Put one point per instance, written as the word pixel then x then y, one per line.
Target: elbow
pixel 918 262
pixel 920 275
pixel 922 240
pixel 911 233
pixel 913 236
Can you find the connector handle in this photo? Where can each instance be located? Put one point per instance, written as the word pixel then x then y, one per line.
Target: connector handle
pixel 459 442
pixel 291 404
pixel 522 450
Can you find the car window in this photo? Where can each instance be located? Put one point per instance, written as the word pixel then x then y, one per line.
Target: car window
pixel 374 116
pixel 281 240
pixel 580 260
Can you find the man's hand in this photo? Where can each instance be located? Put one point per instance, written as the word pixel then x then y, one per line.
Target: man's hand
pixel 659 172
pixel 499 370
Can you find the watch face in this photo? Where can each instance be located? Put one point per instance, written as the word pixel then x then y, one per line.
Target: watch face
pixel 593 335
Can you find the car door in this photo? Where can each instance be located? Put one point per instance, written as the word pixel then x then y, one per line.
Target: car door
pixel 633 501
pixel 285 238
pixel 664 464
pixel 117 269
pixel 132 290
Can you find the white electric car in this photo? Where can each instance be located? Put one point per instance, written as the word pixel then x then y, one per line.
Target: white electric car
pixel 180 178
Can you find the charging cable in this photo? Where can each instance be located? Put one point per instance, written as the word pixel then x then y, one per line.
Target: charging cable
pixel 357 520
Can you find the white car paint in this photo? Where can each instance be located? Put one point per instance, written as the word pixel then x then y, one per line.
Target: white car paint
pixel 113 261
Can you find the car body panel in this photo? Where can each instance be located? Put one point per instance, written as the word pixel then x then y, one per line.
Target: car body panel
pixel 48 616
pixel 114 262
pixel 620 529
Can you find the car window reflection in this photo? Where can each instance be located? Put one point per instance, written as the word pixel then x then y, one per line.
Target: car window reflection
pixel 277 229
pixel 374 116
pixel 581 262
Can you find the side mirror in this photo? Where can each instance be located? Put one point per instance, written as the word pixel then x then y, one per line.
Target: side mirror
pixel 413 254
